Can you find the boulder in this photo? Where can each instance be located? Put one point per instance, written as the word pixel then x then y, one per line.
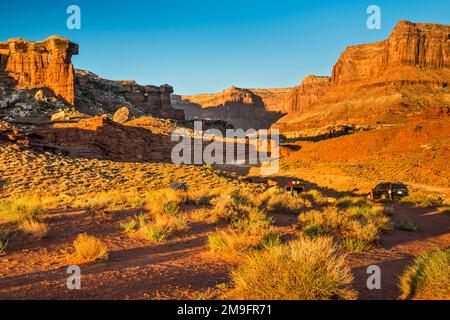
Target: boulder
pixel 59 116
pixel 122 115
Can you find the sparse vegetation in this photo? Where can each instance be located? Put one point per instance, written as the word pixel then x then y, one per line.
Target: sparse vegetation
pixel 428 277
pixel 252 232
pixel 360 226
pixel 278 200
pixel 89 249
pixel 305 269
pixel 166 201
pixel 162 227
pixel 354 245
pixel 231 206
pixel 112 200
pixel 405 224
pixel 420 199
pixel 19 210
pixel 37 229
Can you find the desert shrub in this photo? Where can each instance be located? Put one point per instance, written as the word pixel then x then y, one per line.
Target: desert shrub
pixel 279 200
pixel 355 245
pixel 423 200
pixel 130 226
pixel 166 201
pixel 231 206
pixel 305 269
pixel 112 200
pixel 37 229
pixel 21 209
pixel 253 232
pixel 405 224
pixel 4 240
pixel 350 202
pixel 162 227
pixel 89 249
pixel 315 197
pixel 361 223
pixel 428 276
pixel 200 197
pixel 316 223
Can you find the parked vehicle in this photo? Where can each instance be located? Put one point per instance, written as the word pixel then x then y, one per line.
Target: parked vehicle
pixel 393 191
pixel 294 188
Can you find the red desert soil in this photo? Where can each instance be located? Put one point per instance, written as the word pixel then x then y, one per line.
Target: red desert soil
pixel 179 269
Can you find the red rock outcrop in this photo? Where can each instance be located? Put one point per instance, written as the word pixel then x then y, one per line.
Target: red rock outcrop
pixel 410 45
pixel 96 95
pixel 46 64
pixel 381 83
pixel 102 138
pixel 301 97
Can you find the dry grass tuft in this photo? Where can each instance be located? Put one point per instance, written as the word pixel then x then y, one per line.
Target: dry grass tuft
pixel 359 225
pixel 38 230
pixel 420 199
pixel 428 277
pixel 112 200
pixel 162 227
pixel 252 232
pixel 305 269
pixel 21 209
pixel 278 200
pixel 166 201
pixel 89 249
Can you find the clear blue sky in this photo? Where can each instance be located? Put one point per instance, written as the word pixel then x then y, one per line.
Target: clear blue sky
pixel 203 46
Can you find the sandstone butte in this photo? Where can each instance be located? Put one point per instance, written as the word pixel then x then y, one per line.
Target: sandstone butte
pixel 387 81
pixel 46 64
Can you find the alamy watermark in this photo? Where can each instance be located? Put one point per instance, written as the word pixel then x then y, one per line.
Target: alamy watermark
pixel 237 147
pixel 74 280
pixel 374 20
pixel 73 21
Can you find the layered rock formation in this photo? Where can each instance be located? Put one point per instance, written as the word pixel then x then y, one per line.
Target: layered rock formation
pixel 386 82
pixel 242 108
pixel 410 45
pixel 96 95
pixel 47 64
pixel 102 138
pixel 301 97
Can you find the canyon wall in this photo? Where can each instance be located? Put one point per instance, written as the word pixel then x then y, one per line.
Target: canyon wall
pixel 303 96
pixel 410 45
pixel 386 82
pixel 46 64
pixel 242 108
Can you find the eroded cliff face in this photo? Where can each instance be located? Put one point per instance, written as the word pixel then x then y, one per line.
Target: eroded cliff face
pixel 46 64
pixel 96 95
pixel 303 96
pixel 242 108
pixel 386 82
pixel 417 45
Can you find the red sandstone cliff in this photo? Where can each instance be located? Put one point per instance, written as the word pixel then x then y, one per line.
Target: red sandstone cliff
pixel 415 45
pixel 384 82
pixel 46 64
pixel 242 108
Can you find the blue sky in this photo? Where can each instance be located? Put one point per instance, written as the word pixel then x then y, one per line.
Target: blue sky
pixel 201 46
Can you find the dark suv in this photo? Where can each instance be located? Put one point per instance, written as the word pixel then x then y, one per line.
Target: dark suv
pixel 393 191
